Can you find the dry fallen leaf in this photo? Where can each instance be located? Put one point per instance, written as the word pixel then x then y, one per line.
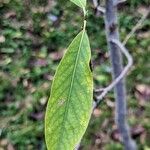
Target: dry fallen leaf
pixel 3 142
pixel 97 112
pixel 143 137
pixel 137 130
pixel 142 10
pixel 145 34
pixel 10 147
pixel 110 104
pixel 38 62
pixel 36 116
pixel 115 135
pixel 56 55
pixel 142 93
pixel 2 39
pixel 10 14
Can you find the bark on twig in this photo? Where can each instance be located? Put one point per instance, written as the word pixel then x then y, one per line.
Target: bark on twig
pixel 98 7
pixel 111 25
pixel 121 75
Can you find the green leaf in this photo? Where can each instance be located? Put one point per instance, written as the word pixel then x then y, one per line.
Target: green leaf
pixel 70 105
pixel 80 3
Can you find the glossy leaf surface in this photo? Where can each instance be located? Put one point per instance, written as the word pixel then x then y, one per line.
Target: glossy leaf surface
pixel 70 105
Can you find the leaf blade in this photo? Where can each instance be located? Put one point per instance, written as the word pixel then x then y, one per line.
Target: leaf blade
pixel 66 121
pixel 80 3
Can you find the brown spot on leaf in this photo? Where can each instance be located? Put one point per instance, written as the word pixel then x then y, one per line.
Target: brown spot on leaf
pixel 61 102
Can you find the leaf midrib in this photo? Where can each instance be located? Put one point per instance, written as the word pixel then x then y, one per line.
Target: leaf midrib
pixel 70 90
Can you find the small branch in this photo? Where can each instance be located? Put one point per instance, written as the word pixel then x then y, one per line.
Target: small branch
pixel 101 9
pixel 125 52
pixel 136 27
pixel 111 25
pixel 98 8
pixel 122 74
pixel 99 90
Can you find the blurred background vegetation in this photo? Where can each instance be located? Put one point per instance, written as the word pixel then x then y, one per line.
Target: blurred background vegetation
pixel 33 38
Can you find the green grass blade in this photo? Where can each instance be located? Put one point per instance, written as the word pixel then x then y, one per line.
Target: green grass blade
pixel 70 105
